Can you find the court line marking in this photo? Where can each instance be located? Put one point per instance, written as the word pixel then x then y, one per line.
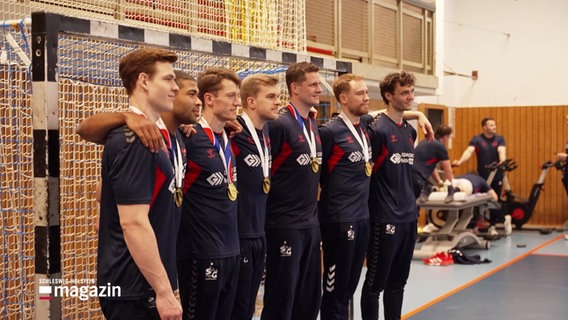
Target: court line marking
pixel 478 279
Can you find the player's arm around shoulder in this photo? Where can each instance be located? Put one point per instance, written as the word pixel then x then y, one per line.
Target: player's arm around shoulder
pixel 96 128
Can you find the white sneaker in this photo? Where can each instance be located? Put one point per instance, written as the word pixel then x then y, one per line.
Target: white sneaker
pixel 492 231
pixel 429 228
pixel 507 224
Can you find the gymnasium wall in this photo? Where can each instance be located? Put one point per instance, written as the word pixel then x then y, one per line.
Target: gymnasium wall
pixel 514 45
pixel 533 135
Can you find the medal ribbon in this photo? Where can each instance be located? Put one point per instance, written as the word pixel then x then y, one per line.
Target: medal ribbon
pixel 310 138
pixel 360 138
pixel 179 168
pixel 224 152
pixel 263 153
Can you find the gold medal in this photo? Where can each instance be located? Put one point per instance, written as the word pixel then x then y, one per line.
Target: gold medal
pixel 315 165
pixel 178 197
pixel 368 169
pixel 266 185
pixel 232 192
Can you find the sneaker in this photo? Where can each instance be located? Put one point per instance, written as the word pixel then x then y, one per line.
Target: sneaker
pixel 447 259
pixel 440 259
pixel 429 228
pixel 434 260
pixel 507 224
pixel 492 231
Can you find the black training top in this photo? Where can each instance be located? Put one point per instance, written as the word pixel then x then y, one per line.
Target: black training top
pixel 478 184
pixel 391 197
pixel 252 199
pixel 344 185
pixel 209 220
pixel 292 201
pixel 486 151
pixel 427 154
pixel 132 175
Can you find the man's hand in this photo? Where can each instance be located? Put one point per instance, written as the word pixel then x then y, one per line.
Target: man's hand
pixel 147 131
pixel 455 163
pixel 187 129
pixel 313 113
pixel 233 127
pixel 426 127
pixel 168 307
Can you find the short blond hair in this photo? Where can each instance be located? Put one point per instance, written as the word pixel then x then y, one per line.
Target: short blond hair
pixel 251 86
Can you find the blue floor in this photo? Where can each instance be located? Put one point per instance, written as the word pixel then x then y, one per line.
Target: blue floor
pixel 526 282
pixel 429 287
pixel 537 272
pixel 535 287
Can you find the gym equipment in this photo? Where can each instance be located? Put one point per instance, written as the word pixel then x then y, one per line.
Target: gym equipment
pixel 438 217
pixel 455 232
pixel 521 209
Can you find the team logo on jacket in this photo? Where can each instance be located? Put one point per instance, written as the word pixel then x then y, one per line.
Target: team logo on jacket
pixel 401 158
pixel 390 228
pixel 285 250
pixel 211 273
pixel 252 160
pixel 303 159
pixel 356 156
pixel 216 179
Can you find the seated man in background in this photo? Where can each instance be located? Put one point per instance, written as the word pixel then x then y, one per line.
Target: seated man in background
pixel 427 155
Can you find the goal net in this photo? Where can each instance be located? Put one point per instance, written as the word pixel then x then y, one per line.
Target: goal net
pixel 272 24
pixel 87 82
pixel 16 174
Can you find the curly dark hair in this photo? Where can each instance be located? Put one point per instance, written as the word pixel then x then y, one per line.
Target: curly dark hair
pixel 388 84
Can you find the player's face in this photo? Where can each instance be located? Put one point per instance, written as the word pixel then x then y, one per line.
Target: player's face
pixel 356 100
pixel 187 103
pixel 227 100
pixel 309 90
pixel 267 102
pixel 402 98
pixel 490 127
pixel 162 88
